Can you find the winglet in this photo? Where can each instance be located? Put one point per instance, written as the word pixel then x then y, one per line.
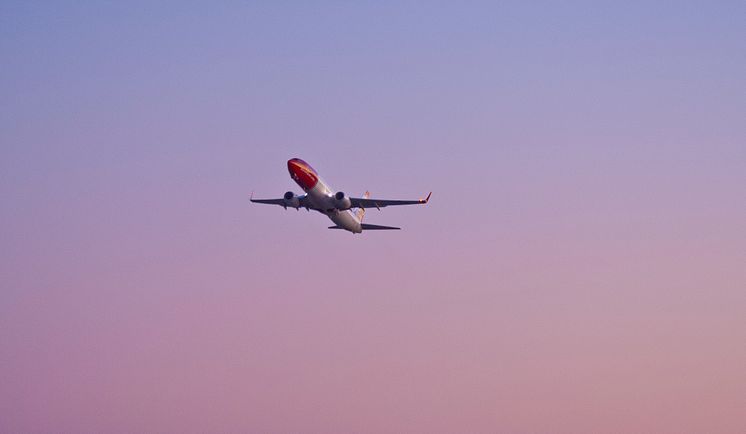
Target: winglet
pixel 425 200
pixel 251 198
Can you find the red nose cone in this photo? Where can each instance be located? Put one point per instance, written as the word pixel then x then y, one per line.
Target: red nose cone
pixel 302 173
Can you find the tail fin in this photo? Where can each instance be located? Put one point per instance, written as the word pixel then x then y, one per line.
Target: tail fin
pixel 361 211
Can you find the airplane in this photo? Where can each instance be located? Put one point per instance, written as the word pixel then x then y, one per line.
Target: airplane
pixel 337 206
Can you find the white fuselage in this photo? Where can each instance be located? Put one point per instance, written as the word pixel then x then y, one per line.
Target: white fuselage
pixel 322 197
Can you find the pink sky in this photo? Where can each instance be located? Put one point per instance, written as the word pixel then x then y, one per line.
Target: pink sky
pixel 580 268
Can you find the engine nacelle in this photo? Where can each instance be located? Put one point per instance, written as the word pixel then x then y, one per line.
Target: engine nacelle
pixel 341 201
pixel 291 200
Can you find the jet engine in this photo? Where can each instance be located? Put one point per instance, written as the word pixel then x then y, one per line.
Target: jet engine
pixel 291 200
pixel 341 201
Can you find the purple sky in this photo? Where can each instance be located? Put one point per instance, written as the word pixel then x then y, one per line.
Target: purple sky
pixel 581 267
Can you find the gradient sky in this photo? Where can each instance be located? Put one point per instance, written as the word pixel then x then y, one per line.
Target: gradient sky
pixel 581 267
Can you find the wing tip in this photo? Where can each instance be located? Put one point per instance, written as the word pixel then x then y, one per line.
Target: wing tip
pixel 427 199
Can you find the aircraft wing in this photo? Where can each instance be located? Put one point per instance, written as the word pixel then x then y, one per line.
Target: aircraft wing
pixel 302 200
pixel 380 203
pixel 269 201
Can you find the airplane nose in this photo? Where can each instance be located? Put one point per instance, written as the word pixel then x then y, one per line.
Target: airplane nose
pixel 302 173
pixel 293 166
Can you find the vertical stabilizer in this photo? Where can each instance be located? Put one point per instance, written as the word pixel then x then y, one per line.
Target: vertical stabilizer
pixel 361 211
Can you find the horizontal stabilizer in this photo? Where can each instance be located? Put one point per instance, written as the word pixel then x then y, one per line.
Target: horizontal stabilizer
pixel 367 227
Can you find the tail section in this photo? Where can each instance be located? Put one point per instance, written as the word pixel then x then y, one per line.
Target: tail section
pixel 360 213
